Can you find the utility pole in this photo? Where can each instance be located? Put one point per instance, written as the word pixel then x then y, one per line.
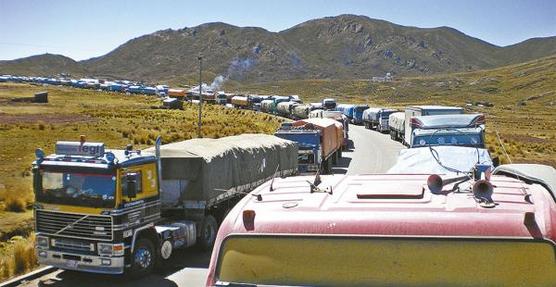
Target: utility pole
pixel 199 123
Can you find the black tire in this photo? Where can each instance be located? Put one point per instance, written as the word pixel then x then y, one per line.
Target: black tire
pixel 143 258
pixel 209 228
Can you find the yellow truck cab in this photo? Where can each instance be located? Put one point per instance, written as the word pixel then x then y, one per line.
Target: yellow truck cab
pixel 96 210
pixel 116 211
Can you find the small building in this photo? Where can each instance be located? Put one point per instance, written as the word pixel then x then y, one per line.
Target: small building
pixel 41 97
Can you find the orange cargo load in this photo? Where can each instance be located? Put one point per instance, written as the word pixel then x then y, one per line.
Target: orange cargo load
pixel 176 93
pixel 331 133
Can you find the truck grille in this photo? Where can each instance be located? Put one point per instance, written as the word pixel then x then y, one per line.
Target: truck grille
pixel 72 245
pixel 74 225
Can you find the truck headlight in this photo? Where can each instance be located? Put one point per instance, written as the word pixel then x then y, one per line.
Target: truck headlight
pixel 42 242
pixel 111 249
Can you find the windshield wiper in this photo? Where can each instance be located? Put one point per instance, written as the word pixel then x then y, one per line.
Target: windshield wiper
pixel 70 225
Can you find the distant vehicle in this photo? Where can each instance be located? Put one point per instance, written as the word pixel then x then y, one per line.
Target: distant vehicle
pixel 221 98
pixel 377 118
pixel 285 109
pixel 161 90
pixel 337 116
pixel 459 129
pixel 396 123
pixel 319 142
pixel 353 112
pixel 328 104
pixel 241 102
pixel 267 106
pixel 316 106
pixel 415 111
pixel 301 112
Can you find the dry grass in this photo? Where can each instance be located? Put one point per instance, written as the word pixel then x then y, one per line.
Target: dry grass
pixel 17 256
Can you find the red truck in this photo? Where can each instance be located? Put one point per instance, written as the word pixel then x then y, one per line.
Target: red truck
pixel 393 230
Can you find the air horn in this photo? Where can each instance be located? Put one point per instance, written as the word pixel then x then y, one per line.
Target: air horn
pixel 436 183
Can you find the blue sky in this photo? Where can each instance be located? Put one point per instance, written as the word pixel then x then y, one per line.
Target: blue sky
pixel 85 29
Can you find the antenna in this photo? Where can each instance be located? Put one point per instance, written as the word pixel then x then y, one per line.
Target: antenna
pixel 502 145
pixel 317 179
pixel 273 177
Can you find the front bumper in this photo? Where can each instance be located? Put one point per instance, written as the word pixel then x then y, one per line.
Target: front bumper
pixel 79 262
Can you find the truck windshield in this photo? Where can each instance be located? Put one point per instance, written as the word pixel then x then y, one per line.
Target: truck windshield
pixel 471 140
pixel 82 189
pixel 360 109
pixel 359 261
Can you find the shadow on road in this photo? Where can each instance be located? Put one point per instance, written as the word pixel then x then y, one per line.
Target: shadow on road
pixel 341 167
pixel 350 146
pixel 188 258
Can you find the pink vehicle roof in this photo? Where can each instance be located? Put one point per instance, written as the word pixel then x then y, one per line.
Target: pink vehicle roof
pixel 393 205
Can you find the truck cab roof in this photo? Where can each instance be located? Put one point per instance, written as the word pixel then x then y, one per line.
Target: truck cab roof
pixel 392 204
pixel 383 218
pixel 449 121
pixel 91 155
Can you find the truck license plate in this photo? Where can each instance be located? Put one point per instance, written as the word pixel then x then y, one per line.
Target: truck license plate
pixel 71 263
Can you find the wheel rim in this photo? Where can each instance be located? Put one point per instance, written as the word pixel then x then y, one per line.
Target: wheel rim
pixel 143 257
pixel 166 250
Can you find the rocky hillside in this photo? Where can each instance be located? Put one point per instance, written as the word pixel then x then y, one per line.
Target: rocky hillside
pixel 341 47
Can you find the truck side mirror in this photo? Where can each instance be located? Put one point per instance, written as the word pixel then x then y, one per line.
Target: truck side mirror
pixel 131 185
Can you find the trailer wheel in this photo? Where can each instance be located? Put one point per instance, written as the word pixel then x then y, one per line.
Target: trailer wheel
pixel 209 227
pixel 143 258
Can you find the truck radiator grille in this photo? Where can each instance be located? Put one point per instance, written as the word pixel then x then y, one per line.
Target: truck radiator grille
pixel 73 245
pixel 74 225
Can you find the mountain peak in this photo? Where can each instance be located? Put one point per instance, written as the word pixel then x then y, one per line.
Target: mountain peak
pixel 342 47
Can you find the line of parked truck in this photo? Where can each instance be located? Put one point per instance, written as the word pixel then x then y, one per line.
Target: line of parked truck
pixel 415 126
pixel 421 125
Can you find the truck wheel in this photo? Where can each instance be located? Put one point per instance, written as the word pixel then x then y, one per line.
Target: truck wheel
pixel 143 258
pixel 209 227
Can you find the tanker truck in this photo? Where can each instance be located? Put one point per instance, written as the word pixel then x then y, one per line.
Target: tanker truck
pixel 116 211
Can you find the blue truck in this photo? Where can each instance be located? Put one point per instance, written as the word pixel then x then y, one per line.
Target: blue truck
pixel 353 112
pixel 308 143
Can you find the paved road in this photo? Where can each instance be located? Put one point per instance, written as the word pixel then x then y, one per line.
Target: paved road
pixel 370 152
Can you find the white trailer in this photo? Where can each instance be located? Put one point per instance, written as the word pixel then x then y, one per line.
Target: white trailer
pixel 377 118
pixel 396 123
pixel 416 111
